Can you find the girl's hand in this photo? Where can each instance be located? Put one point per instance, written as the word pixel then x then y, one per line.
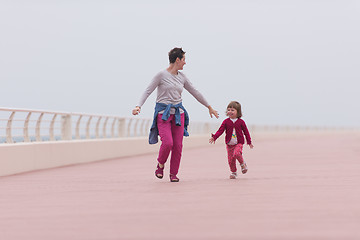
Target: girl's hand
pixel 213 112
pixel 211 140
pixel 136 110
pixel 251 146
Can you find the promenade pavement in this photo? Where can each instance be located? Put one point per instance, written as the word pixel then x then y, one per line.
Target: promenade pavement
pixel 299 186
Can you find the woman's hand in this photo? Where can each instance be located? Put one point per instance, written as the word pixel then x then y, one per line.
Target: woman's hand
pixel 213 112
pixel 211 140
pixel 136 110
pixel 251 146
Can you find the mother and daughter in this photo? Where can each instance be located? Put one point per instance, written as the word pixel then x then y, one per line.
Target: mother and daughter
pixel 171 118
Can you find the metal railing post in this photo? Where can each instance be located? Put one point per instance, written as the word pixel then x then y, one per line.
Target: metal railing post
pixel 26 128
pixel 88 128
pixel 104 127
pixel 113 128
pixel 121 127
pixel 77 130
pixel 148 126
pixel 129 125
pixel 51 129
pixel 66 127
pixel 37 129
pixel 8 128
pixel 136 128
pixel 97 128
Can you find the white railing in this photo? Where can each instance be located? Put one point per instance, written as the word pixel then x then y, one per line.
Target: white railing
pixel 29 125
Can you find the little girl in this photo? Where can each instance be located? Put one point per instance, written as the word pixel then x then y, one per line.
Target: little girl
pixel 234 138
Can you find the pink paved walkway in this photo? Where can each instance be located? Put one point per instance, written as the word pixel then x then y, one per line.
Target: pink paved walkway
pixel 297 187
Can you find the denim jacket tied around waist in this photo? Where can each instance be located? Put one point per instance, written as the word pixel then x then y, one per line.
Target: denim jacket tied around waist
pixel 154 132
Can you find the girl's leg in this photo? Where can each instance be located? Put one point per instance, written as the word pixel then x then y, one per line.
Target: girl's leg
pixel 238 153
pixel 239 157
pixel 231 159
pixel 164 128
pixel 177 136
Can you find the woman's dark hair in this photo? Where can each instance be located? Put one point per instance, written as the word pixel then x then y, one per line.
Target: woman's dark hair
pixel 237 106
pixel 176 53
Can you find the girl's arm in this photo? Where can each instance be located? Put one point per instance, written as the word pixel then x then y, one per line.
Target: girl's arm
pixel 219 132
pixel 246 133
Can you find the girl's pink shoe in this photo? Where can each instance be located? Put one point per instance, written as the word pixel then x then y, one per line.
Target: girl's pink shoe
pixel 233 175
pixel 159 172
pixel 174 178
pixel 244 168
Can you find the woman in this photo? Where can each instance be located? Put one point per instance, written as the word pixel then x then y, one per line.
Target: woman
pixel 170 117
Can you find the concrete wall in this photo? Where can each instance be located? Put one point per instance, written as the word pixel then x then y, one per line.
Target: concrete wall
pixel 25 157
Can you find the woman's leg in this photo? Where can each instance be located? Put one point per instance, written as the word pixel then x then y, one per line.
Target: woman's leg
pixel 231 158
pixel 166 138
pixel 177 137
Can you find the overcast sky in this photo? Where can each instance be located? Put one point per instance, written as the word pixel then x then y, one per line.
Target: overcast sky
pixel 287 62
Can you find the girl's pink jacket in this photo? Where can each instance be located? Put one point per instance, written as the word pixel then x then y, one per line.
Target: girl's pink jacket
pixel 240 128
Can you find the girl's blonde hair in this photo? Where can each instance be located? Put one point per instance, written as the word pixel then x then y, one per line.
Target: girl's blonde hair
pixel 237 106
